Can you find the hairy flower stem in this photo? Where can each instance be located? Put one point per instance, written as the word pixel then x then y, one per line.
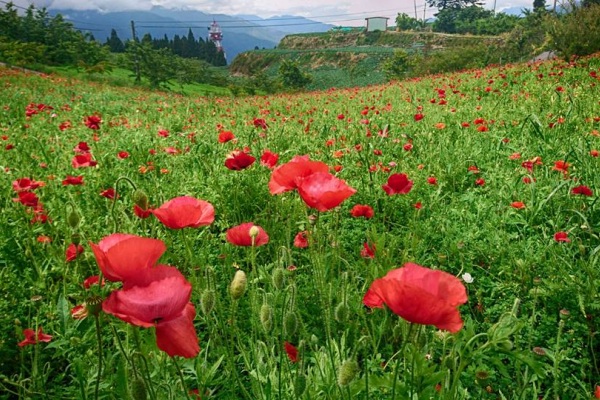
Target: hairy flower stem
pixel 99 337
pixel 400 357
pixel 112 209
pixel 180 372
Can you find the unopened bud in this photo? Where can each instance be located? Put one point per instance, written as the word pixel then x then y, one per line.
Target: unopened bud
pixel 278 278
pixel 140 199
pixel 347 372
pixel 266 317
pixel 138 389
pixel 299 385
pixel 238 284
pixel 341 312
pixel 73 219
pixel 207 301
pixel 290 323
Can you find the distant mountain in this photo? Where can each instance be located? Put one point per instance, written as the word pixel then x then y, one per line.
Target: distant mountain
pixel 239 33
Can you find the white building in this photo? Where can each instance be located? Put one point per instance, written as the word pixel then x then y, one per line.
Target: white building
pixel 377 24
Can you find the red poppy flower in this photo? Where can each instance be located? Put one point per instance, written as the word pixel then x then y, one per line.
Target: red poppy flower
pixel 419 117
pixel 73 180
pixel 324 191
pixel 362 210
pixel 26 184
pixel 92 280
pixel 594 153
pixel 159 297
pixel 518 205
pixel 226 136
pixel 121 256
pixel 108 193
pixel 123 155
pixel 185 212
pixel 407 147
pixel 31 337
pixel 287 176
pixel 241 235
pixel 301 240
pixel 561 166
pixel 432 180
pixel 367 251
pixel 83 160
pixel 398 184
pixel 479 182
pixel 64 125
pixel 269 159
pixel 238 160
pixel 80 311
pixel 597 392
pixel 82 148
pixel 473 169
pixel 562 237
pixel 93 122
pixel 420 295
pixel 141 213
pixel 291 351
pixel 28 199
pixel 44 239
pixel 73 251
pixel 582 190
pixel 260 123
pixel 163 133
pixel 418 205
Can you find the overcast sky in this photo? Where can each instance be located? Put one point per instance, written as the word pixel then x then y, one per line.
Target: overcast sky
pixel 344 12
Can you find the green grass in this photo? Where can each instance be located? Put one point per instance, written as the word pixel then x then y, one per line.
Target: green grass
pixel 531 320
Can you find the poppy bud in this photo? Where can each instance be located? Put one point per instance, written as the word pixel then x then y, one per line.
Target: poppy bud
pixel 300 385
pixel 76 239
pixel 140 199
pixel 138 389
pixel 238 284
pixel 73 219
pixel 278 278
pixel 94 305
pixel 266 317
pixel 347 372
pixel 290 323
pixel 207 301
pixel 341 312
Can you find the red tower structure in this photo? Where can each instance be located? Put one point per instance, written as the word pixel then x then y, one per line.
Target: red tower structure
pixel 215 34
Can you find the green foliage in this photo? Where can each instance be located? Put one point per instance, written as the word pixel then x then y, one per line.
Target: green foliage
pixel 291 76
pixel 576 33
pixel 475 20
pixel 396 66
pixel 406 23
pixel 456 4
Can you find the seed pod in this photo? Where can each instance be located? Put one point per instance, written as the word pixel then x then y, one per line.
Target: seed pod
pixel 278 277
pixel 290 323
pixel 347 372
pixel 76 239
pixel 207 301
pixel 93 305
pixel 138 389
pixel 238 285
pixel 266 317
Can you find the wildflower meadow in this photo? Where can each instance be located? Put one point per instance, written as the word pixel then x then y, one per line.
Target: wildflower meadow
pixel 435 238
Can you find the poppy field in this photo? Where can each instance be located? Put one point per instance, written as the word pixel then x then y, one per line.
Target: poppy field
pixel 436 238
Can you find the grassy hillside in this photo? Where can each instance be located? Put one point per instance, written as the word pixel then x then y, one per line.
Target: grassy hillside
pixel 344 59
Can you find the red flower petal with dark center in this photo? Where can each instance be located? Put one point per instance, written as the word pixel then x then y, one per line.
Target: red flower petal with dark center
pixel 291 351
pixel 362 210
pixel 238 160
pixel 582 190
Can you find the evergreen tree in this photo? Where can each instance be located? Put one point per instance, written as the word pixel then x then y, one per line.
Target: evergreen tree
pixel 114 43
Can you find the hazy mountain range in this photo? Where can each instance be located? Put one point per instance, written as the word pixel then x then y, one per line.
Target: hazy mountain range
pixel 240 32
